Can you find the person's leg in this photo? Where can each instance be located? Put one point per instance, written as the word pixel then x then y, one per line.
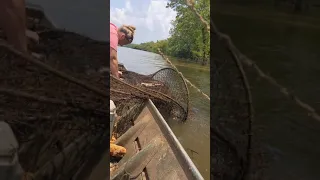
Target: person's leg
pixel 13 22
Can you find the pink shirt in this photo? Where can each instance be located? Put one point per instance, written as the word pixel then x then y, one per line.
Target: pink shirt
pixel 113 36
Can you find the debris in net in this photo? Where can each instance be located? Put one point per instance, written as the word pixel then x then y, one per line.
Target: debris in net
pixel 47 112
pixel 117 151
pixel 44 129
pixel 113 167
pixel 165 88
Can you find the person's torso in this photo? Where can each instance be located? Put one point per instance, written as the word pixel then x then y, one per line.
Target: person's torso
pixel 113 36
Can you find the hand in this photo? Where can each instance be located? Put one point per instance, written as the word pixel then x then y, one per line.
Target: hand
pixel 33 36
pixel 120 74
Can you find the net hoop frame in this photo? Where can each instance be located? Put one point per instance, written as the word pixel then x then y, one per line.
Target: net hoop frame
pixel 185 85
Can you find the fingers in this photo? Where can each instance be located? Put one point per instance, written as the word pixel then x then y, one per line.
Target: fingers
pixel 32 36
pixel 120 75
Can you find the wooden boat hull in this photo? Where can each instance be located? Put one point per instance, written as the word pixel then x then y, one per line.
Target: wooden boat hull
pixel 153 151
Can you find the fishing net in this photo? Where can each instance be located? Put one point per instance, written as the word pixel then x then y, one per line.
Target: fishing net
pixel 56 105
pixel 231 114
pixel 59 117
pixel 166 88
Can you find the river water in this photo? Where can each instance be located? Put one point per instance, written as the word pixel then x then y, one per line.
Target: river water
pixel 290 53
pixel 194 134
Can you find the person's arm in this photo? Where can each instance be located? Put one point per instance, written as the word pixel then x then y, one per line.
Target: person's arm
pixel 114 62
pixel 13 22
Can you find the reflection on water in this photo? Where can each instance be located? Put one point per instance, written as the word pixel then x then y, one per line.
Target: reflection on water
pixel 291 55
pixel 194 135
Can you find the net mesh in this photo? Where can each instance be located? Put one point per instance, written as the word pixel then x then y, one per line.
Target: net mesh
pixel 57 121
pixel 231 113
pixel 54 119
pixel 166 88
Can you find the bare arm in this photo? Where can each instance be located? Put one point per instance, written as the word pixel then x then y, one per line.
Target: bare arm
pixel 13 22
pixel 114 63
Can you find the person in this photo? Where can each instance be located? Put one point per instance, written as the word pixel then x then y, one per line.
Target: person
pixel 13 23
pixel 119 36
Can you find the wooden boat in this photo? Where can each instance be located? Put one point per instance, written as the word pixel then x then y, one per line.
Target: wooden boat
pixel 153 151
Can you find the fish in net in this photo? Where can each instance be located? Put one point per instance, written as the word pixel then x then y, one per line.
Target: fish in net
pixel 56 105
pixel 166 88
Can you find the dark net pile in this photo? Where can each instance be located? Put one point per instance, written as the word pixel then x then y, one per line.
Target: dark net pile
pixel 231 116
pixel 166 88
pixel 55 120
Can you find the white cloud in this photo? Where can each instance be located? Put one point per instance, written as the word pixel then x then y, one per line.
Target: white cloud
pixel 153 22
pixel 128 6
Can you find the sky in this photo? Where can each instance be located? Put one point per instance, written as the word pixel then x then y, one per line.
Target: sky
pixel 150 17
pixel 86 17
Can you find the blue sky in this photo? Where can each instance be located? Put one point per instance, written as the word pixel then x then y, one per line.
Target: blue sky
pixel 150 17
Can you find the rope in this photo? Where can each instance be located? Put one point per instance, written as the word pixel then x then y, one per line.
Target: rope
pixel 193 9
pixel 241 58
pixel 54 71
pixel 143 91
pixel 44 99
pixel 244 59
pixel 235 57
pixel 235 52
pixel 185 79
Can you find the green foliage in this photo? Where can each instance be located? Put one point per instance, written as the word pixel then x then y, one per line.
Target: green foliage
pixel 151 46
pixel 189 38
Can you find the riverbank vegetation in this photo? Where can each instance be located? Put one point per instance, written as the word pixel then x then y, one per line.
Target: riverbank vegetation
pixel 300 13
pixel 189 38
